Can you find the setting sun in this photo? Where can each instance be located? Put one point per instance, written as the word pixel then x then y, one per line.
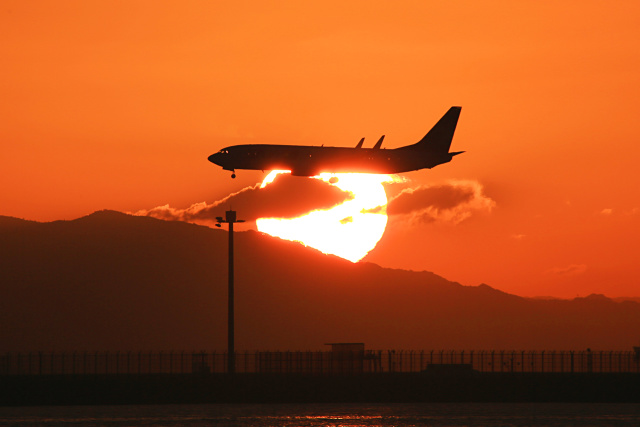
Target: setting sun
pixel 349 230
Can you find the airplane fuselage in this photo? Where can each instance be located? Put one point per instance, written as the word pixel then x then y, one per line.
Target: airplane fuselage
pixel 302 160
pixel 309 161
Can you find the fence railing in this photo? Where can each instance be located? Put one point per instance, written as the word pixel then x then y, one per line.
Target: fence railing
pixel 315 362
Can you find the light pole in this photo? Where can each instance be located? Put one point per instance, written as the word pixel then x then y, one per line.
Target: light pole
pixel 230 218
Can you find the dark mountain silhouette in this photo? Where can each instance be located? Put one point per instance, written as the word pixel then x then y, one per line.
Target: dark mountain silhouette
pixel 110 281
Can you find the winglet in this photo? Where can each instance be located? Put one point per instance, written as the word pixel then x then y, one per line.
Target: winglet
pixel 360 143
pixel 379 143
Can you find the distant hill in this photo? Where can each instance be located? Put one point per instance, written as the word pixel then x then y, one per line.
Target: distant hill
pixel 110 281
pixel 619 299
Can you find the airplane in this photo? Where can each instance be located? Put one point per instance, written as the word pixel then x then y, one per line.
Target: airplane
pixel 301 160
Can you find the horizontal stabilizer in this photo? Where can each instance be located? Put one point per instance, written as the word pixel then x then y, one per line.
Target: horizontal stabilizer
pixel 379 143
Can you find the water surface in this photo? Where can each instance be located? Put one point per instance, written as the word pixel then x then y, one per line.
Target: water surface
pixel 329 415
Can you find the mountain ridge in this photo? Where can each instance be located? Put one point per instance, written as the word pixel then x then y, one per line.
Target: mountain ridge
pixel 113 281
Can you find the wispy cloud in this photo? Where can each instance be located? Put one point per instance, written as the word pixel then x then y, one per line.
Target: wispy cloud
pixel 571 270
pixel 285 197
pixel 451 202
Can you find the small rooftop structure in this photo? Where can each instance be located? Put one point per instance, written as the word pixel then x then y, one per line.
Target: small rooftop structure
pixel 346 347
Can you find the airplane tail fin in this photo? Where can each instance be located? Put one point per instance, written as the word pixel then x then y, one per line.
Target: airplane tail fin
pixel 439 137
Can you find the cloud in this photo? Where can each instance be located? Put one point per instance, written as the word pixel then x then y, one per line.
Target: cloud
pixel 346 220
pixel 606 211
pixel 451 202
pixel 285 197
pixel 571 270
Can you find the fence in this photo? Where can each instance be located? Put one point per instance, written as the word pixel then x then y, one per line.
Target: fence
pixel 315 362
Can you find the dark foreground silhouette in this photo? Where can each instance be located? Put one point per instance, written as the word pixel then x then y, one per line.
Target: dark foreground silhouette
pixel 294 388
pixel 332 376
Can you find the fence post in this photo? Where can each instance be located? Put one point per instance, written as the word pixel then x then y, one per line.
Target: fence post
pixel 522 361
pixel 571 357
pixel 619 361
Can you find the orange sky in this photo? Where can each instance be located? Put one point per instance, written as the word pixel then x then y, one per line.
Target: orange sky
pixel 118 104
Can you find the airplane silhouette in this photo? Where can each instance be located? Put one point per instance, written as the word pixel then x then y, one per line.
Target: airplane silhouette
pixel 301 160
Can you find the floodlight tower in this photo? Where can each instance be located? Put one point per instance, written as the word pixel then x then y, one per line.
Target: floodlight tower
pixel 230 218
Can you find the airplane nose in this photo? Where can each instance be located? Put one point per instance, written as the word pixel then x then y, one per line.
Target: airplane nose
pixel 214 158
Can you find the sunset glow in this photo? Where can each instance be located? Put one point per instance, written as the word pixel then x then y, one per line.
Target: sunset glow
pixel 347 230
pixel 107 106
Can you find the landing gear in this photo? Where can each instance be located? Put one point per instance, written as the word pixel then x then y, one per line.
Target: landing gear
pixel 233 175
